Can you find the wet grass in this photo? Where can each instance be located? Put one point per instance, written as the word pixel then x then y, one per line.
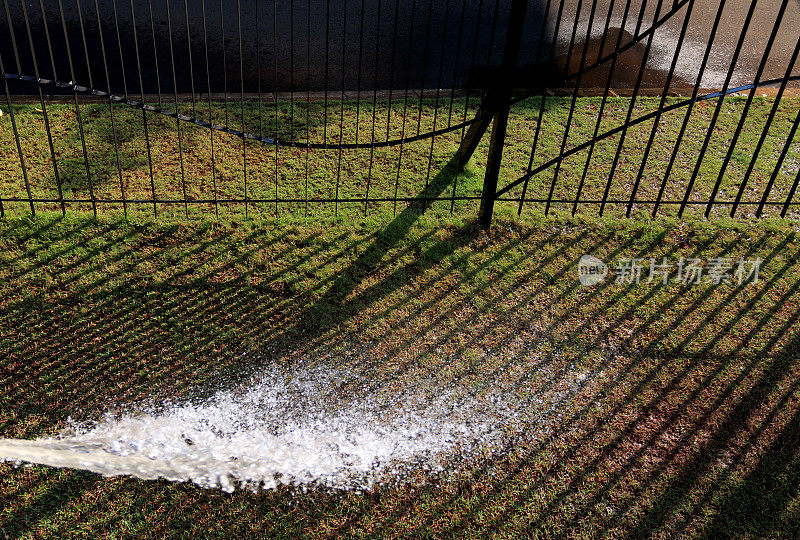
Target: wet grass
pixel 693 427
pixel 206 168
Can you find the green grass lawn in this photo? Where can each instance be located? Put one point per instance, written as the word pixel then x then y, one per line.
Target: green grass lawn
pixel 203 169
pixel 692 425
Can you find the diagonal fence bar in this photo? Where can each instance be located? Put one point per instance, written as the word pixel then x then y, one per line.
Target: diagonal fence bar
pixel 392 91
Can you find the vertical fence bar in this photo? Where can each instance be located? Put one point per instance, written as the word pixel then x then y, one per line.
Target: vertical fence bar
pixel 141 93
pixel 718 109
pixel 155 51
pixel 123 71
pixel 693 100
pixel 793 189
pixel 513 45
pixel 456 63
pixel 160 104
pixel 341 107
pixel 189 59
pixel 425 53
pixel 11 108
pixel 177 110
pixel 375 91
pixel 661 104
pixel 764 134
pixel 631 106
pixel 44 105
pixel 308 98
pixel 275 81
pixel 358 77
pixel 405 105
pixel 210 110
pixel 391 86
pixel 488 107
pixel 391 70
pixel 291 70
pixel 85 51
pixel 224 60
pixel 49 43
pixel 567 63
pixel 16 139
pixel 543 100
pixel 241 107
pixel 762 66
pixel 77 105
pixel 327 68
pixel 110 103
pixel 258 69
pixel 459 156
pixel 436 100
pixel 776 171
pixel 603 103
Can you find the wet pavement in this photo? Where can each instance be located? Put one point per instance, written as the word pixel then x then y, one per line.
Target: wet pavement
pixel 364 44
pixel 698 35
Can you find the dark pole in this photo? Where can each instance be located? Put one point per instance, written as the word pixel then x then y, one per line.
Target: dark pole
pixel 499 100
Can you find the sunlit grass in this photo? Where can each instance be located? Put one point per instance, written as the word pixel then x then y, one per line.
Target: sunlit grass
pixel 220 167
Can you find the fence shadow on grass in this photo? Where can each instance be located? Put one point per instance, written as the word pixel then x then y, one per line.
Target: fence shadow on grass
pixel 50 376
pixel 123 313
pixel 627 464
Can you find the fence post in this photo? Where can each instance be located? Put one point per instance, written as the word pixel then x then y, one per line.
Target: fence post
pixel 500 99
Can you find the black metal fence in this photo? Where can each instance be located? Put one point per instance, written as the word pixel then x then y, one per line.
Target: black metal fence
pixel 295 106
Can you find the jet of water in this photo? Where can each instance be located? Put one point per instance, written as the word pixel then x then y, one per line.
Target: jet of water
pixel 294 428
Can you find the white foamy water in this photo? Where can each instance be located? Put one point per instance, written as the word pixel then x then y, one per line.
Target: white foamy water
pixel 308 427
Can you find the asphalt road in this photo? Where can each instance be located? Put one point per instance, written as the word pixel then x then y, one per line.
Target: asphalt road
pixel 295 45
pixel 724 42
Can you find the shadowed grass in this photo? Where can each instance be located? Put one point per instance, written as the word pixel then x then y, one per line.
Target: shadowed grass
pixel 690 428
